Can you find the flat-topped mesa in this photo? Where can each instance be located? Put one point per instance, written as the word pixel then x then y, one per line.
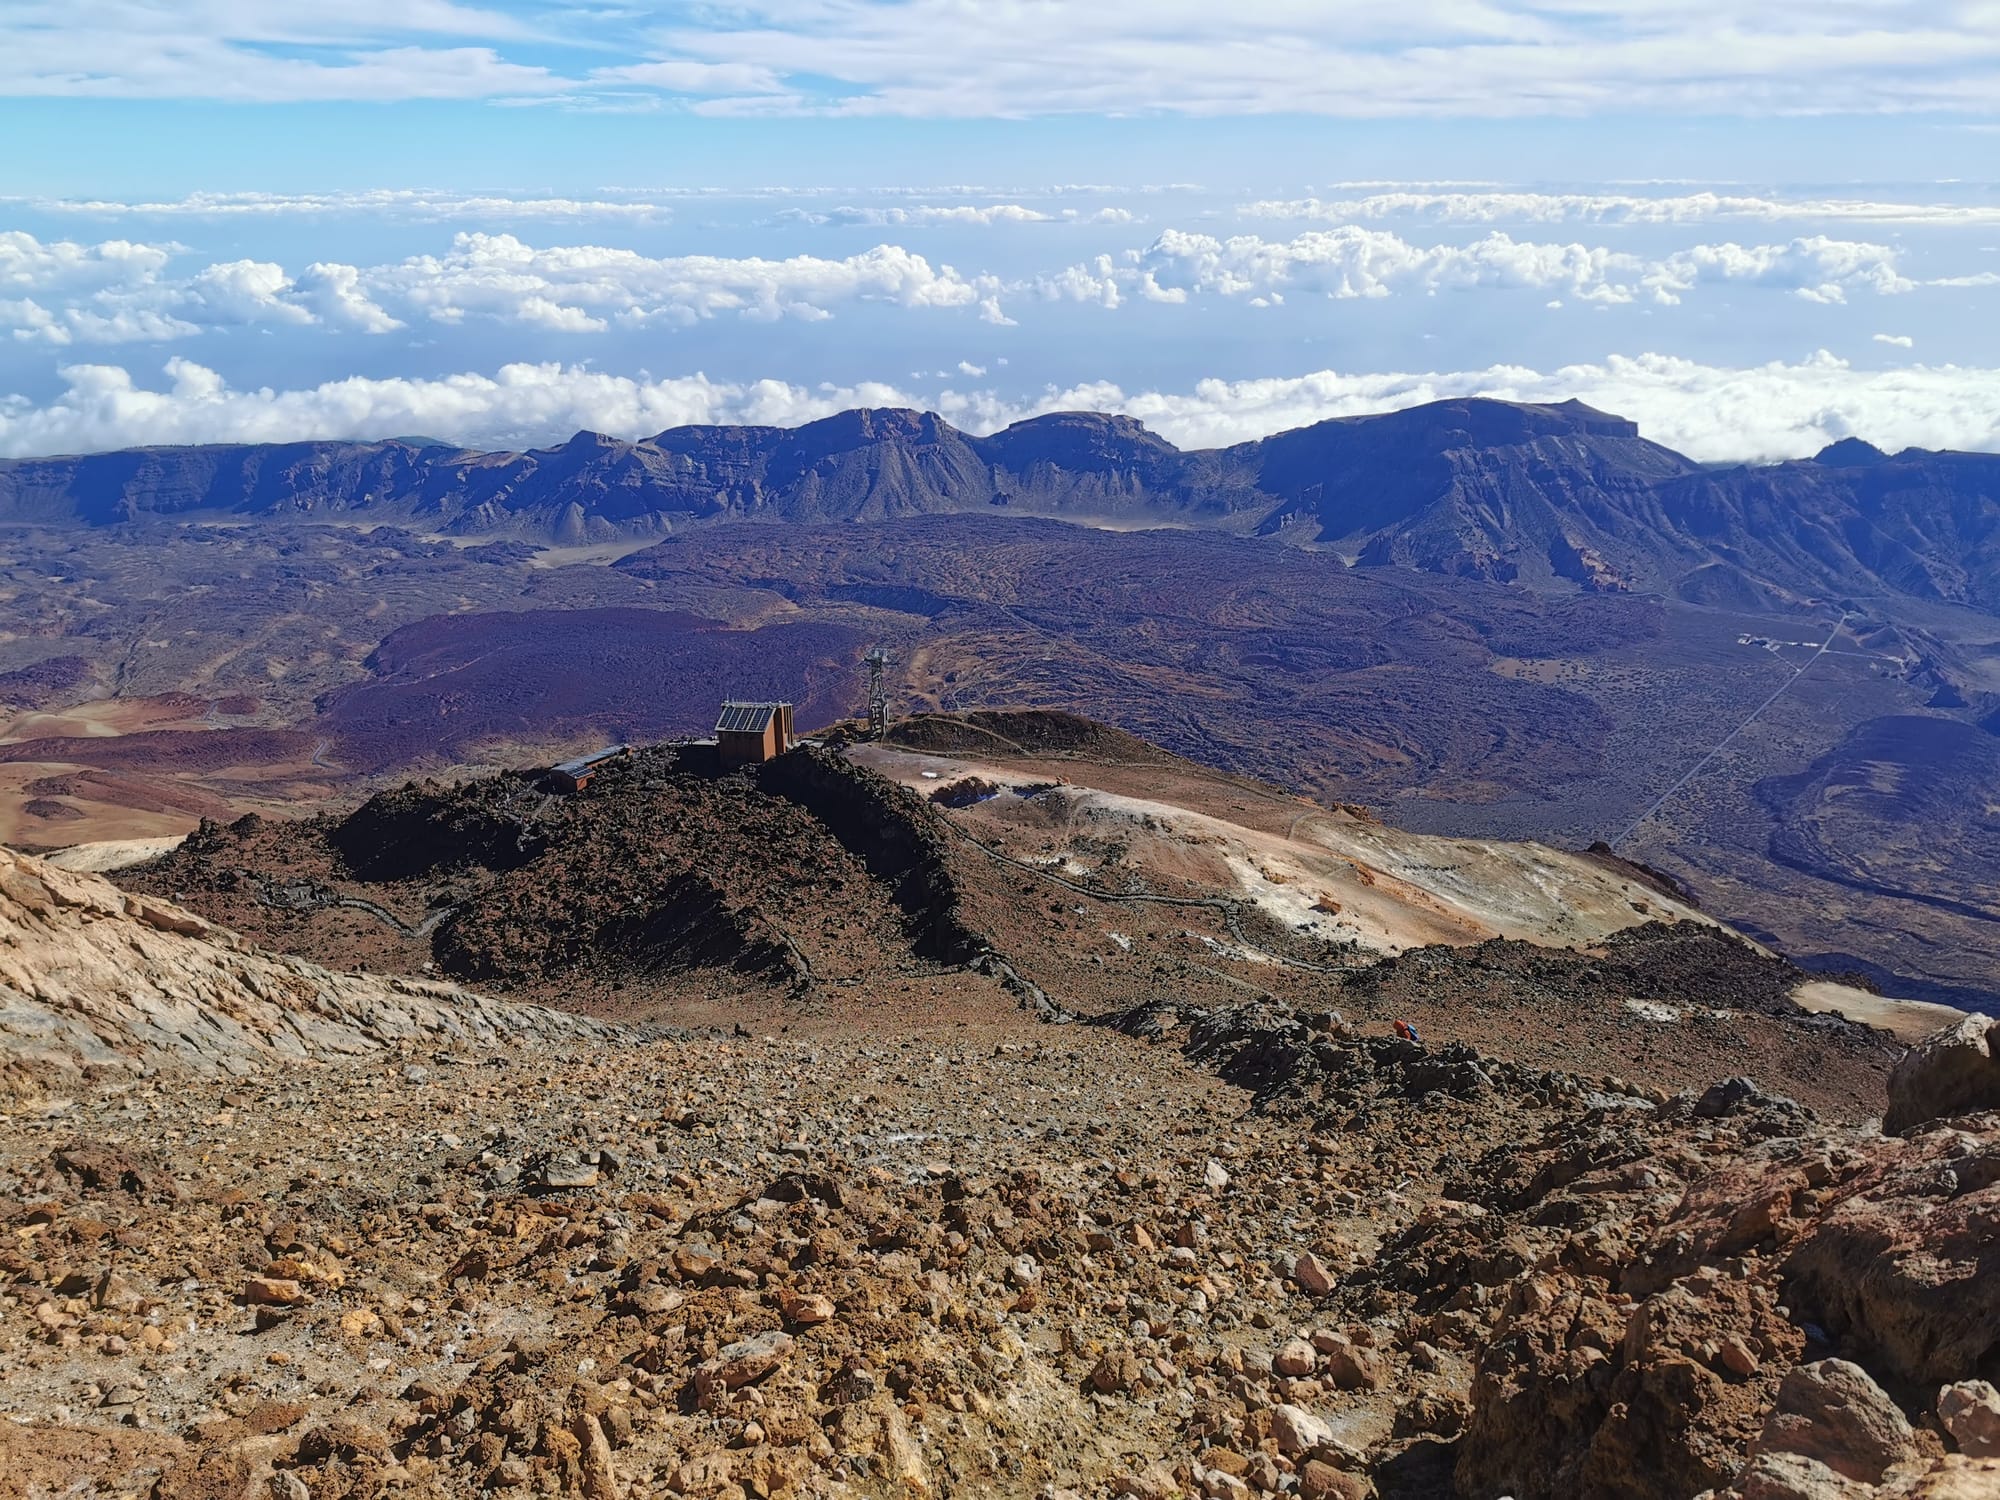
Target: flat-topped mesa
pixel 876 424
pixel 1077 439
pixel 1478 421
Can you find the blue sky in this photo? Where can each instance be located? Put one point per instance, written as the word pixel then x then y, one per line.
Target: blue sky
pixel 1753 228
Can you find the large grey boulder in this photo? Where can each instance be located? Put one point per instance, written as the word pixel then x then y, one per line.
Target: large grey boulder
pixel 1953 1072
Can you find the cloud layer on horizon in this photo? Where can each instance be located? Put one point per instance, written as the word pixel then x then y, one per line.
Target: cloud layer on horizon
pixel 1513 206
pixel 1709 412
pixel 64 293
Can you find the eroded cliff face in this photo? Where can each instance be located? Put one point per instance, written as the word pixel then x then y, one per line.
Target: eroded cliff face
pixel 99 981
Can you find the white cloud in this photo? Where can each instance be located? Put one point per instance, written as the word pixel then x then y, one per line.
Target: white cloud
pixel 252 52
pixel 399 202
pixel 1514 207
pixel 1427 57
pixel 1896 340
pixel 103 407
pixel 28 264
pixel 1007 58
pixel 246 291
pixel 983 215
pixel 64 292
pixel 118 291
pixel 147 306
pixel 1710 412
pixel 26 319
pixel 540 312
pixel 333 293
pixel 1352 261
pixel 695 77
pixel 1707 411
pixel 581 286
pixel 108 293
pixel 1818 269
pixel 1098 282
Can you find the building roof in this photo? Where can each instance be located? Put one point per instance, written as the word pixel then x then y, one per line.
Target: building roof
pixel 747 718
pixel 595 758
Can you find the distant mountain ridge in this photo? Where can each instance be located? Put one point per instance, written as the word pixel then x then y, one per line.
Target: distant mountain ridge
pixel 1547 496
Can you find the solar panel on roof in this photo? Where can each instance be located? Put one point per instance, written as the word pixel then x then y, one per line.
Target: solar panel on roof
pixel 745 718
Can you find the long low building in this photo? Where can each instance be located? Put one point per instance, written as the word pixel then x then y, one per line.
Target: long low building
pixel 574 775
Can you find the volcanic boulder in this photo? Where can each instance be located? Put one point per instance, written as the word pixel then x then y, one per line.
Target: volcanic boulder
pixel 1952 1072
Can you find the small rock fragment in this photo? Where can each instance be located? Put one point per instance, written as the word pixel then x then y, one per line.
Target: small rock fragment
pixel 740 1364
pixel 1970 1412
pixel 1313 1275
pixel 805 1309
pixel 1297 1430
pixel 1295 1359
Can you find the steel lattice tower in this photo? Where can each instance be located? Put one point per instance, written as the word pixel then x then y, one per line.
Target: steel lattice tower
pixel 878 693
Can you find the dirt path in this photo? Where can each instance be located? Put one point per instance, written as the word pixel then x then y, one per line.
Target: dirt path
pixel 1729 739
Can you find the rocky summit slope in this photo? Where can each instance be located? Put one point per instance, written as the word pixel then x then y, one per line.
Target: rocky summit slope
pixel 276 1231
pixel 1560 495
pixel 1060 865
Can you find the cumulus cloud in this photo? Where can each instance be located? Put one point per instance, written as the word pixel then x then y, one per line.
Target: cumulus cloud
pixel 113 292
pixel 1896 340
pixel 245 291
pixel 121 295
pixel 65 292
pixel 577 287
pixel 28 264
pixel 1711 412
pixel 332 293
pixel 120 292
pixel 1818 269
pixel 102 406
pixel 1355 261
pixel 1513 207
